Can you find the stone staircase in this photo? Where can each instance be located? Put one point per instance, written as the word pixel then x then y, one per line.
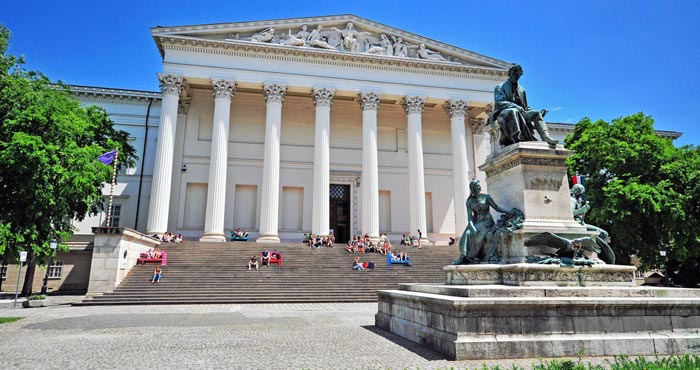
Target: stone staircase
pixel 208 273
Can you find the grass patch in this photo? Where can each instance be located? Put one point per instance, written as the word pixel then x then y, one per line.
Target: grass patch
pixel 4 320
pixel 684 362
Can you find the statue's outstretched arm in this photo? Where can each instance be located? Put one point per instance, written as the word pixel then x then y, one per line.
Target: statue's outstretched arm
pixel 495 206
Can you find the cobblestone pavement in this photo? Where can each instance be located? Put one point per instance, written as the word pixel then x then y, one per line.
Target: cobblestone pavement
pixel 256 336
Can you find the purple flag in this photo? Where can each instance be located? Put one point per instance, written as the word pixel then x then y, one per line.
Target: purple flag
pixel 108 157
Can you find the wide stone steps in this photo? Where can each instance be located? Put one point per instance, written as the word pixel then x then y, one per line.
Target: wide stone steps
pixel 211 273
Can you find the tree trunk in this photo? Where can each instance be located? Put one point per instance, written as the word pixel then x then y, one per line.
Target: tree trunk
pixel 29 276
pixel 3 260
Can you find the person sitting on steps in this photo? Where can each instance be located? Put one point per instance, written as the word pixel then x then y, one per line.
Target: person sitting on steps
pixel 357 265
pixel 253 262
pixel 265 260
pixel 157 274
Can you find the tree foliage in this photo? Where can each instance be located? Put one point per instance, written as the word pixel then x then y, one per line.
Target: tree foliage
pixel 49 144
pixel 642 189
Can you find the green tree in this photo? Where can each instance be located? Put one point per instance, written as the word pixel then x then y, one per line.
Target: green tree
pixel 49 173
pixel 643 190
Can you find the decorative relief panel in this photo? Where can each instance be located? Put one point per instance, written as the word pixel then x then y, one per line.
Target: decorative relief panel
pixel 348 39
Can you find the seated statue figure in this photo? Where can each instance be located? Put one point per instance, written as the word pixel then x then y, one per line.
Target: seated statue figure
pixel 516 120
pixel 602 239
pixel 481 228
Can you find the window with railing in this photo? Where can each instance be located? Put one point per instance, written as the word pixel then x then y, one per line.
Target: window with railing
pixel 55 271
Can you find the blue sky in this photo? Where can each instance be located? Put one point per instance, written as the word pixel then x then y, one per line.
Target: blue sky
pixel 597 59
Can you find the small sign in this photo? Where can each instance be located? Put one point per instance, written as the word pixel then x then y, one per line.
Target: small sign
pixel 23 256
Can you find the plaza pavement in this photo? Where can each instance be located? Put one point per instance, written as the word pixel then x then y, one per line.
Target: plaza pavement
pixel 228 336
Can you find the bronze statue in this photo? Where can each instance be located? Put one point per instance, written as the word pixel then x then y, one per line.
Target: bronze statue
pixel 481 230
pixel 569 251
pixel 580 210
pixel 516 120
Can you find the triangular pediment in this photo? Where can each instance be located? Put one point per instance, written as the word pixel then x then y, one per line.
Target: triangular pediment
pixel 349 35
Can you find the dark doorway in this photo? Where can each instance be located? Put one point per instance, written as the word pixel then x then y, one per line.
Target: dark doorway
pixel 340 212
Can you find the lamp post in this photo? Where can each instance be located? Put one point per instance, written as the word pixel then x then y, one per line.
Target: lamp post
pixel 663 254
pixel 53 244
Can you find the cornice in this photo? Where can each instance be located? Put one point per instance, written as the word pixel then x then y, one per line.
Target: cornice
pixel 284 53
pixel 105 94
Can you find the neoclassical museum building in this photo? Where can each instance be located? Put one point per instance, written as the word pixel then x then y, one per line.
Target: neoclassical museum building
pixel 307 125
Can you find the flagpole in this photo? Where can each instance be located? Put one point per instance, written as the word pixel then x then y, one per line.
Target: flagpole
pixel 111 189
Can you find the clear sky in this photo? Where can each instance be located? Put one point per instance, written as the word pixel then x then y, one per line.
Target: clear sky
pixel 597 58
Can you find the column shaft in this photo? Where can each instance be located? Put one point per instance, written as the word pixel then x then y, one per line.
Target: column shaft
pixel 370 168
pixel 159 205
pixel 216 192
pixel 269 207
pixel 320 220
pixel 460 167
pixel 416 177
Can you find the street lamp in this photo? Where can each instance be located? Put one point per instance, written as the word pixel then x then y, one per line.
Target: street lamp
pixel 663 254
pixel 53 244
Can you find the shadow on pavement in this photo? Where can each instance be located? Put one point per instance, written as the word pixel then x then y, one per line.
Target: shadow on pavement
pixel 414 347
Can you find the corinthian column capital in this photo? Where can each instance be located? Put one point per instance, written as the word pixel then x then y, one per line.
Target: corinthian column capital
pixel 456 108
pixel 170 84
pixel 413 104
pixel 369 100
pixel 274 92
pixel 223 88
pixel 322 97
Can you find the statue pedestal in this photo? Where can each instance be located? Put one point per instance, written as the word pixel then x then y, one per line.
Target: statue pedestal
pixel 470 322
pixel 532 177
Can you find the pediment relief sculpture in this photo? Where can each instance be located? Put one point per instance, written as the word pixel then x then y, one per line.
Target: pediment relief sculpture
pixel 348 39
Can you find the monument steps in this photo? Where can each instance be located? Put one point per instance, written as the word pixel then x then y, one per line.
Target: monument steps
pixel 210 273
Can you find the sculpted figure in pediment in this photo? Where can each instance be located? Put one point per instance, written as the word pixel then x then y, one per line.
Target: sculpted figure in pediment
pixel 303 33
pixel 402 49
pixel 383 47
pixel 425 53
pixel 317 39
pixel 292 40
pixel 266 35
pixel 350 37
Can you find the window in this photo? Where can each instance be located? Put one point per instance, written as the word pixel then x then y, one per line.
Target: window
pixel 56 270
pixel 3 270
pixel 116 214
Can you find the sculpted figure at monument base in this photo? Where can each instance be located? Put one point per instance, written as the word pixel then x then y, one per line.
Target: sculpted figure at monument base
pixel 482 237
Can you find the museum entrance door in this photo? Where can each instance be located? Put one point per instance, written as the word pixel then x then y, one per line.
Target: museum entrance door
pixel 340 212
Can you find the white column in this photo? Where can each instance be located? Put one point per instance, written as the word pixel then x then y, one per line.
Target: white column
pixel 216 192
pixel 482 140
pixel 269 207
pixel 369 102
pixel 320 220
pixel 460 167
pixel 159 206
pixel 416 178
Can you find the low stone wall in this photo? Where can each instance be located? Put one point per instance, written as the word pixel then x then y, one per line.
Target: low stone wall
pixel 516 322
pixel 115 252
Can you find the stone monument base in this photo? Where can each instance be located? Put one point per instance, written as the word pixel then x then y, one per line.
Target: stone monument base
pixel 496 321
pixel 530 274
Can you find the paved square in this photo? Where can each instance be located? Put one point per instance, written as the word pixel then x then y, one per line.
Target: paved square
pixel 270 336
